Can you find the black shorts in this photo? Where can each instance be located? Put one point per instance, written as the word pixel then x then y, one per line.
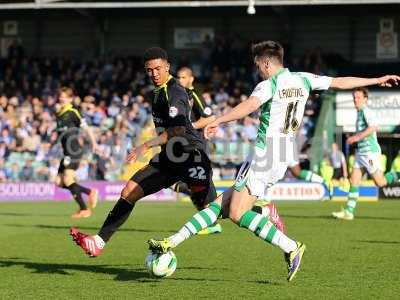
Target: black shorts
pixel 68 163
pixel 337 173
pixel 195 171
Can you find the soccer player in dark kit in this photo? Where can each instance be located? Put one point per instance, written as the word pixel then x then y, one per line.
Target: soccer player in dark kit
pixel 69 123
pixel 182 156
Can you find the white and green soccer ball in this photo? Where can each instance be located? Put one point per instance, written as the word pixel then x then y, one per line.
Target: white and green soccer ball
pixel 161 264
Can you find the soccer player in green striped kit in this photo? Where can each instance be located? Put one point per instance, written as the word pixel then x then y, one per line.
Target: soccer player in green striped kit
pixel 281 97
pixel 367 157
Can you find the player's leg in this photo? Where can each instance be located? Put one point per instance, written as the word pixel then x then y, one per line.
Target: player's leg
pixel 197 174
pixel 309 176
pixel 380 179
pixel 145 182
pixel 240 213
pixel 305 175
pixel 91 193
pixel 371 162
pixel 355 180
pixel 66 179
pixel 374 169
pixel 201 198
pixel 203 192
pixel 263 207
pixel 386 179
pixel 269 210
pixel 93 245
pixel 201 220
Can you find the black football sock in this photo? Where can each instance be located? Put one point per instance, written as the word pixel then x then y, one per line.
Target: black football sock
pixel 76 194
pixel 116 218
pixel 83 189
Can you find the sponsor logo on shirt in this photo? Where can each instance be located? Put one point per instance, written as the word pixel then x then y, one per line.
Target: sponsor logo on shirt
pixel 207 111
pixel 173 111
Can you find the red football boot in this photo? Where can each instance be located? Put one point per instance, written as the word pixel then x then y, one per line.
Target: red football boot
pixel 86 242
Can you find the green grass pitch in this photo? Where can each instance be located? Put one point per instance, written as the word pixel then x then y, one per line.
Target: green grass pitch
pixel 344 260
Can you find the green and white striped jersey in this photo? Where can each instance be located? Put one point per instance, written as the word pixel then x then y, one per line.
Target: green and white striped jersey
pixel 283 99
pixel 369 144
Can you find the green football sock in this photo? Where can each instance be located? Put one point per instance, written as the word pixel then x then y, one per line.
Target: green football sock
pixel 307 175
pixel 353 197
pixel 392 177
pixel 266 231
pixel 199 221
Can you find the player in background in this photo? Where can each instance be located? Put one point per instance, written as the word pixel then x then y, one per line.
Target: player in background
pixel 281 97
pixel 368 154
pixel 304 174
pixel 202 115
pixel 69 122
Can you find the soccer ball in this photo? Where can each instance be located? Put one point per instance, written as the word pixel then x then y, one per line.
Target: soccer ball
pixel 161 264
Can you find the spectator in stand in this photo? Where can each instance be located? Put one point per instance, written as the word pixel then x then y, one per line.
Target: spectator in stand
pixel 4 150
pixel 27 172
pixel 82 173
pixel 7 138
pixel 53 168
pixel 42 153
pixel 13 172
pixel 249 130
pixel 3 173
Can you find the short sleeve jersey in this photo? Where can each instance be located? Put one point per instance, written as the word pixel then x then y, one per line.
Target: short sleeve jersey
pixel 199 108
pixel 171 108
pixel 283 99
pixel 69 121
pixel 365 119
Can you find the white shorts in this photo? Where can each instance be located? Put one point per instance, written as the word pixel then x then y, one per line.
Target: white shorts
pixel 260 171
pixel 370 161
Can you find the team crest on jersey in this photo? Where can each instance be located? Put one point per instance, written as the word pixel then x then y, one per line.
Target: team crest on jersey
pixel 207 111
pixel 173 111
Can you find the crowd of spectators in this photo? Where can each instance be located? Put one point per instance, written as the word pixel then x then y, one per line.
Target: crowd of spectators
pixel 113 96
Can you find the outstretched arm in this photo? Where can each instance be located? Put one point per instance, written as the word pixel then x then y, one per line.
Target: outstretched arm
pixel 346 83
pixel 203 122
pixel 238 112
